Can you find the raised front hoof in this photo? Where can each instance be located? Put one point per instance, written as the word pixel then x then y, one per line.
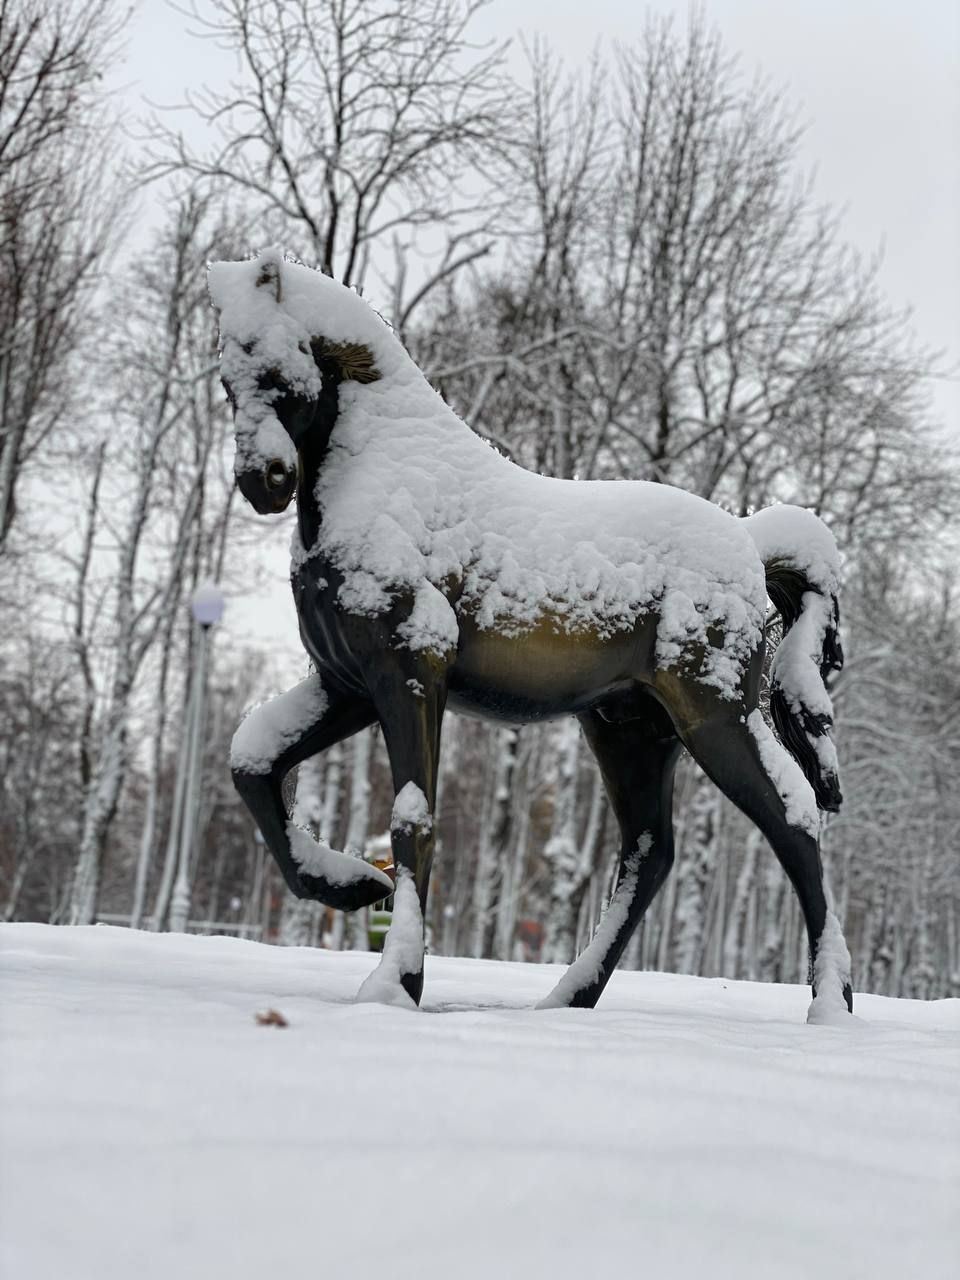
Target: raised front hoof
pixel 334 878
pixel 361 892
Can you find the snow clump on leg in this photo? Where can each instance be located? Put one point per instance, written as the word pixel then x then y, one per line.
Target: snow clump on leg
pixel 831 973
pixel 317 859
pixel 800 804
pixel 267 730
pixel 410 810
pixel 402 950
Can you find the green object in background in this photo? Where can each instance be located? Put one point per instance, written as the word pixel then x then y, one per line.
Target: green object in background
pixel 377 927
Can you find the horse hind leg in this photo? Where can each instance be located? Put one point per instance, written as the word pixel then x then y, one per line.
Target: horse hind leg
pixel 637 759
pixel 740 754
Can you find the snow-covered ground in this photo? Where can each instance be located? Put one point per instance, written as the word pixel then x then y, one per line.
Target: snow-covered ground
pixel 687 1127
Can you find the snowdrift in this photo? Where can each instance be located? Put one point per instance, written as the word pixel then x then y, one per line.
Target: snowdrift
pixel 150 1128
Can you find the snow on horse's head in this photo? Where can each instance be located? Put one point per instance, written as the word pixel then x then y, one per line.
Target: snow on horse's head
pixel 283 327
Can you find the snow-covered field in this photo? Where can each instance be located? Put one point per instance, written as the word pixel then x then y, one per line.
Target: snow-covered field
pixel 687 1127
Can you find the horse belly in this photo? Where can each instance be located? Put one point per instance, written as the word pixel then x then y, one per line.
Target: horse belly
pixel 546 671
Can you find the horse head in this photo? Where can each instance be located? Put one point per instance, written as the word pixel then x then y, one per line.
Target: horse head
pixel 265 468
pixel 275 368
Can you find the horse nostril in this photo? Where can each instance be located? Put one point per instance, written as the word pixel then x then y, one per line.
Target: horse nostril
pixel 275 475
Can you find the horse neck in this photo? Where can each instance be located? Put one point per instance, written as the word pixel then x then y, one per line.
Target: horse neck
pixel 402 377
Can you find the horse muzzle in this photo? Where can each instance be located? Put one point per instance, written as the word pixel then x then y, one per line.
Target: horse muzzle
pixel 268 489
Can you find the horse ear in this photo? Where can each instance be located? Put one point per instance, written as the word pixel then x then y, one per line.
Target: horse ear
pixel 269 276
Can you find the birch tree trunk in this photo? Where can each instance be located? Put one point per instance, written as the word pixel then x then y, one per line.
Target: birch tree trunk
pixel 770 959
pixel 667 902
pixel 148 837
pixel 510 901
pixel 329 831
pixel 99 807
pixel 922 971
pixel 571 861
pixel 711 964
pixel 358 824
pixel 494 840
pixel 734 936
pixel 561 853
pixel 528 749
pixel 695 872
pixel 298 918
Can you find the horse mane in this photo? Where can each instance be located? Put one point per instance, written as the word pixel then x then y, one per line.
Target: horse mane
pixel 354 359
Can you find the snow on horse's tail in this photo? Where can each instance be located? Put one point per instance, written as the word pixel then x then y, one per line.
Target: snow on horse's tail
pixel 802 567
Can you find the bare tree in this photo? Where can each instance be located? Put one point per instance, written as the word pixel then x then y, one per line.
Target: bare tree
pixel 676 305
pixel 351 125
pixel 167 407
pixel 40 712
pixel 59 213
pixel 892 849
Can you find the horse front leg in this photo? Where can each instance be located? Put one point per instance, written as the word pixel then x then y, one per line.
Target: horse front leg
pixel 270 741
pixel 410 695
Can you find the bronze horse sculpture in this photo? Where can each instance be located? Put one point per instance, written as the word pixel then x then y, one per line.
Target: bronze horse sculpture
pixel 431 572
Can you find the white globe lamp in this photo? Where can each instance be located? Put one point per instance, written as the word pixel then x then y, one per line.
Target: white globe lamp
pixel 207 604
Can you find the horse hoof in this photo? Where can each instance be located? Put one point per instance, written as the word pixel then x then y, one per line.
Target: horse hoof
pixel 412 984
pixel 826 1010
pixel 361 892
pixel 384 988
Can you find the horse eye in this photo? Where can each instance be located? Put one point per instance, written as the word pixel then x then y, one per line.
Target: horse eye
pixel 275 475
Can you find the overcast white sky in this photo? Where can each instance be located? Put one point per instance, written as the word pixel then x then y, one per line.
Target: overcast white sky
pixel 877 81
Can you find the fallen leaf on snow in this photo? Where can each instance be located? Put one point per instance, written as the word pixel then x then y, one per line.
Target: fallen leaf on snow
pixel 272 1018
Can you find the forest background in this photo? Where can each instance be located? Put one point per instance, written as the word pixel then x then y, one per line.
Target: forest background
pixel 614 269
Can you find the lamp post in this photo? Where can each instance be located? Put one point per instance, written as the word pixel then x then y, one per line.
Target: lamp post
pixel 206 605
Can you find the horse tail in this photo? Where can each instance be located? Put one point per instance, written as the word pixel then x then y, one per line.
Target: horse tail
pixel 802 567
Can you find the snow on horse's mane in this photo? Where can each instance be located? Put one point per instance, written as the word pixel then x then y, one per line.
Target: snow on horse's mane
pixel 411 499
pixel 271 310
pixel 279 304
